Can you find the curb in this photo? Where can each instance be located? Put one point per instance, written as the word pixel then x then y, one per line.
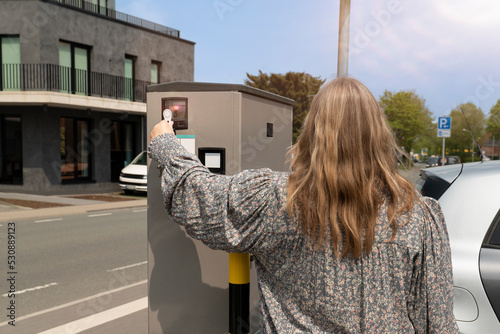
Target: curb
pixel 69 210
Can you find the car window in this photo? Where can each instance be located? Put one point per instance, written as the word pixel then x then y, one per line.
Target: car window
pixel 493 236
pixel 495 239
pixel 431 185
pixel 141 159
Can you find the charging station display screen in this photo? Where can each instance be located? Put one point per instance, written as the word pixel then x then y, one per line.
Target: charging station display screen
pixel 212 160
pixel 179 109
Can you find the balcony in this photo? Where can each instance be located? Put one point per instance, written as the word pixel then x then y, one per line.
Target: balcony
pixel 115 15
pixel 55 78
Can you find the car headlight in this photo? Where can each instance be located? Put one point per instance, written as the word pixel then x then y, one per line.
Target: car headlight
pixel 144 177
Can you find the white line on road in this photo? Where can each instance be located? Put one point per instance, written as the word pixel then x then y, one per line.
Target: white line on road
pixel 129 266
pixel 76 302
pixel 33 289
pixel 141 210
pixel 101 214
pixel 48 220
pixel 97 319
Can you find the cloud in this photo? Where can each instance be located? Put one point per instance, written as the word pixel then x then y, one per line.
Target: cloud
pixel 443 49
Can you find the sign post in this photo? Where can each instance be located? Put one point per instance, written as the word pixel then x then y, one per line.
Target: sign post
pixel 444 131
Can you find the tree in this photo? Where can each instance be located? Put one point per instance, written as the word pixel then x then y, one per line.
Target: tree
pixel 408 116
pixel 461 137
pixel 300 87
pixel 493 122
pixel 428 141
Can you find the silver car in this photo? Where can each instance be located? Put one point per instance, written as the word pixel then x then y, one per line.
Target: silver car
pixel 469 195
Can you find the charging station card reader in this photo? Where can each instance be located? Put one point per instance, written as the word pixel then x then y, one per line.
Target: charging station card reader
pixel 214 158
pixel 179 108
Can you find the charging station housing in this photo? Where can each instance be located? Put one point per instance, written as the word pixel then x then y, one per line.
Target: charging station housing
pixel 230 128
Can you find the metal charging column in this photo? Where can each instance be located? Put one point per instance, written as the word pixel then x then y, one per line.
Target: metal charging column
pixel 230 128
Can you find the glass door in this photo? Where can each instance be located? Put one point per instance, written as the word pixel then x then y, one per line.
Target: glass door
pixel 11 63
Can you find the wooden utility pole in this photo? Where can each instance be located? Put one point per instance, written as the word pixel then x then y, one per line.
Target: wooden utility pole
pixel 343 52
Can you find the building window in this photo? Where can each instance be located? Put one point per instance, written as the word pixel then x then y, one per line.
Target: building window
pixel 97 6
pixel 75 146
pixel 76 3
pixel 10 59
pixel 74 62
pixel 129 77
pixel 11 150
pixel 155 72
pixel 122 147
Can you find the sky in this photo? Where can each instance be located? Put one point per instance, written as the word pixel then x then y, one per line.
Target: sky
pixel 447 51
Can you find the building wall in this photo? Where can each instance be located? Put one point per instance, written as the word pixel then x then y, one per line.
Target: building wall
pixel 41 25
pixel 41 149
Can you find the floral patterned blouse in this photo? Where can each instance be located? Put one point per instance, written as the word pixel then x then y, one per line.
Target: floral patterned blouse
pixel 402 286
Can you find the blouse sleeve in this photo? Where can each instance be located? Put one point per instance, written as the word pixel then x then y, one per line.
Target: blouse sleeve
pixel 432 310
pixel 230 213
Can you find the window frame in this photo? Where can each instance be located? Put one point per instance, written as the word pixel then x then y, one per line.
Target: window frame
pixel 493 233
pixel 126 93
pixel 3 143
pixel 73 82
pixel 158 71
pixel 2 36
pixel 76 178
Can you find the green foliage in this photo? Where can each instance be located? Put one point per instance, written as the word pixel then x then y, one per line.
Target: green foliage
pixel 300 87
pixel 461 137
pixel 428 141
pixel 493 122
pixel 408 116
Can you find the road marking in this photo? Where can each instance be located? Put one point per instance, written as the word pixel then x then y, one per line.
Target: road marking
pixel 33 289
pixel 55 308
pixel 47 220
pixel 129 266
pixel 142 210
pixel 98 319
pixel 101 214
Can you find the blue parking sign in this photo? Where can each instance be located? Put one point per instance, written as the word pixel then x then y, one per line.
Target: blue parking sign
pixel 444 123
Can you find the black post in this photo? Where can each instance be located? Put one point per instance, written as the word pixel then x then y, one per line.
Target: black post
pixel 239 293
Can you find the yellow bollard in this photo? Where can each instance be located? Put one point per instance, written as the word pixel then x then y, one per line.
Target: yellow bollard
pixel 239 293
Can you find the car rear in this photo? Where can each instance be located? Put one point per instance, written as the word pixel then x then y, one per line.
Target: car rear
pixel 468 195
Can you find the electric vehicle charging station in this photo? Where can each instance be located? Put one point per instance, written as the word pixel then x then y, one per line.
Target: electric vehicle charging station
pixel 230 128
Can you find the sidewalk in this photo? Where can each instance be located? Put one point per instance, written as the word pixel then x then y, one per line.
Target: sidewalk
pixel 61 205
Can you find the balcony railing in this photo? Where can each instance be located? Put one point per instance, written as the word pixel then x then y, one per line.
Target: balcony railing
pixel 55 78
pixel 111 13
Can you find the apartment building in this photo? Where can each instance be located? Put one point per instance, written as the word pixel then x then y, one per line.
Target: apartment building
pixel 73 91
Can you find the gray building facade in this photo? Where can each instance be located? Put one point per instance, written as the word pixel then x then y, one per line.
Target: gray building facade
pixel 73 91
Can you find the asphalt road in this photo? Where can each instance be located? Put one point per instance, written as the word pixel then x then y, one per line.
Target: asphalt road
pixel 84 273
pixel 87 263
pixel 414 173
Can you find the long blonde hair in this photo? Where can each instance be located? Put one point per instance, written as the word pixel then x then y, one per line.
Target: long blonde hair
pixel 344 167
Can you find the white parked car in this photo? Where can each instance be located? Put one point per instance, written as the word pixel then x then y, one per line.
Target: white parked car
pixel 469 196
pixel 134 177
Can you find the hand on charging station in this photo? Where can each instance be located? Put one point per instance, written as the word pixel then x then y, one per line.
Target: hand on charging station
pixel 167 115
pixel 164 126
